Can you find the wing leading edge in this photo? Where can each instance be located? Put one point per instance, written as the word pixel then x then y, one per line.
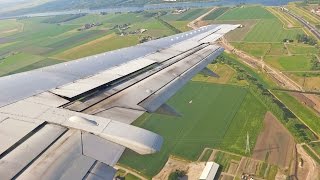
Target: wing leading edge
pixel 72 120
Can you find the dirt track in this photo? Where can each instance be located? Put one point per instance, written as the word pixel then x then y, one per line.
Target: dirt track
pixel 309 170
pixel 198 22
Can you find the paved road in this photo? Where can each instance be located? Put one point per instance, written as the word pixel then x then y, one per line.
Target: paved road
pixel 309 26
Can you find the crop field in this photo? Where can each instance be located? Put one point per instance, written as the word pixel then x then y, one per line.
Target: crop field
pixel 154 28
pixel 193 14
pixel 255 49
pixel 262 49
pixel 106 43
pixel 263 33
pixel 216 13
pixel 240 33
pixel 286 19
pixel 206 155
pixel 181 25
pixel 304 113
pixel 110 19
pixel 277 49
pixel 17 61
pixel 247 12
pixel 189 15
pixel 302 49
pixel 310 81
pixel 8 27
pixel 44 39
pixel 290 63
pixel 304 13
pixel 221 121
pixel 226 74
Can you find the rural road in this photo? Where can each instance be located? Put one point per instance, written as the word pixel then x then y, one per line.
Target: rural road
pixel 312 173
pixel 194 24
pixel 130 171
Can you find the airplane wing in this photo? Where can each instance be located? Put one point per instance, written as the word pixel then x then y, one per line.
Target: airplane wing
pixel 72 120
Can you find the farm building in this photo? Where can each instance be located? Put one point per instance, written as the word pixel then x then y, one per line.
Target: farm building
pixel 209 171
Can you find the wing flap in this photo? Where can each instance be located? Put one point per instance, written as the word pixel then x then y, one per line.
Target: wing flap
pixel 27 151
pixel 62 158
pixel 153 102
pixel 12 131
pixel 101 149
pixel 101 171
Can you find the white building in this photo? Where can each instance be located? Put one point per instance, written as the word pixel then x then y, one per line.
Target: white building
pixel 209 171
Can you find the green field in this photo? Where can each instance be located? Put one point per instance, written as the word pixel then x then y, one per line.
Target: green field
pixel 154 28
pixel 106 43
pixel 255 49
pixel 304 113
pixel 17 61
pixel 290 63
pixel 189 15
pixel 221 121
pixel 41 39
pixel 247 12
pixel 302 49
pixel 216 13
pixel 206 155
pixel 262 32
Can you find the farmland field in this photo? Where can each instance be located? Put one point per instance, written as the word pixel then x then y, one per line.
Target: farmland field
pixel 240 33
pixel 310 81
pixel 220 121
pixel 304 113
pixel 245 13
pixel 290 63
pixel 226 74
pixel 17 61
pixel 255 49
pixel 216 13
pixel 106 43
pixel 302 49
pixel 181 25
pixel 186 16
pixel 263 33
pixel 9 27
pixel 154 28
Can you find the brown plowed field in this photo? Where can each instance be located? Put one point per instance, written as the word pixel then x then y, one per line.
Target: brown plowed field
pixel 275 144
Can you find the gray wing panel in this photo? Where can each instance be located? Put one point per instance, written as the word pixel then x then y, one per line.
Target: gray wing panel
pixel 20 157
pixel 44 79
pixel 58 159
pixel 101 149
pixel 101 171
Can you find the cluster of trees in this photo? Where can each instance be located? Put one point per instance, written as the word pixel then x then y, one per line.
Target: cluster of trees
pixel 299 130
pixel 315 63
pixel 176 175
pixel 303 38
